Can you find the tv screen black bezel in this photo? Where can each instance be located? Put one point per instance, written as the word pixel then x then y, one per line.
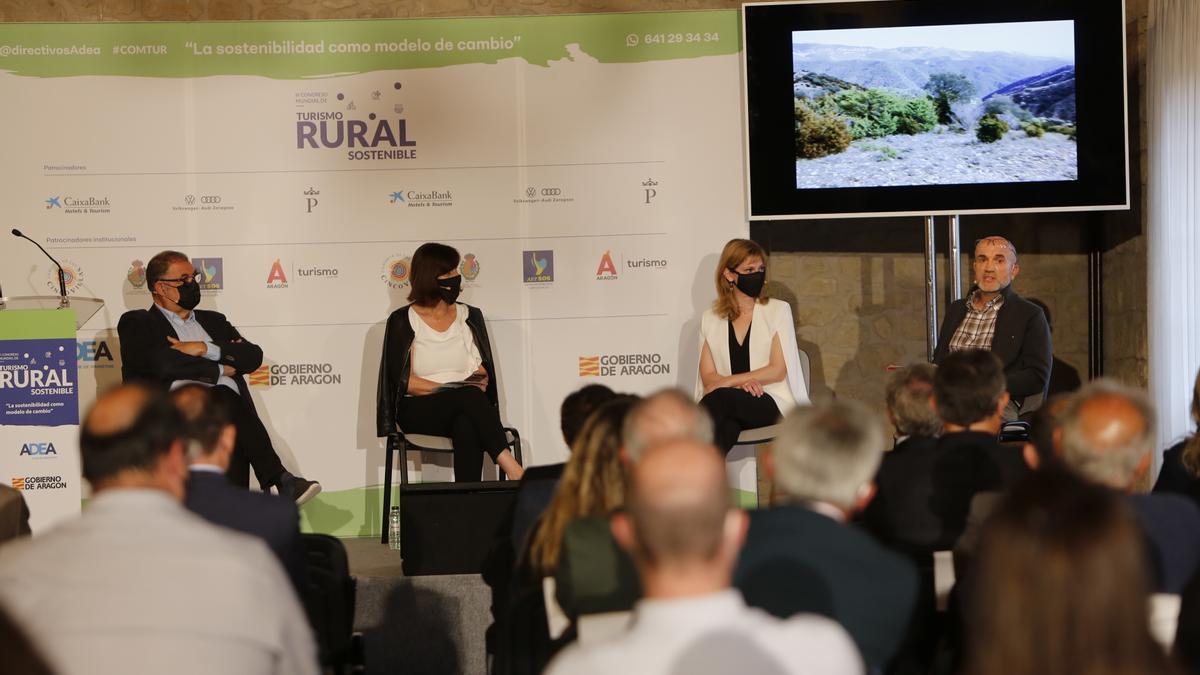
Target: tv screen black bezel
pixel 769 125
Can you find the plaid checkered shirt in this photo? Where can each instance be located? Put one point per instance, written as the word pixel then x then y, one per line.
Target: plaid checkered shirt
pixel 978 326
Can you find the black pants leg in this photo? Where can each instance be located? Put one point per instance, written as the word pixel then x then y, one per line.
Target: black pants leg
pixel 465 415
pixel 735 410
pixel 253 445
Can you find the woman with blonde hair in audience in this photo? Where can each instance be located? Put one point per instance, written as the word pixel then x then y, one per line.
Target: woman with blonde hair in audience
pixel 1061 585
pixel 593 484
pixel 1181 462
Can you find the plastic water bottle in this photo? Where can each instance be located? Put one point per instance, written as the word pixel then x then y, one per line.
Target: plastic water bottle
pixel 394 529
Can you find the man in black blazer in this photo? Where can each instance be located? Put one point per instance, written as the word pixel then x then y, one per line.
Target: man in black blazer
pixel 210 435
pixel 172 343
pixel 925 492
pixel 803 555
pixel 994 317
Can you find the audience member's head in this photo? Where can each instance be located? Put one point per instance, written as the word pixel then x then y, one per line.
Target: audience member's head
pixel 679 525
pixel 1108 434
pixel 577 406
pixel 1191 450
pixel 664 416
pixel 129 439
pixel 828 452
pixel 1060 584
pixel 909 401
pixel 207 425
pixel 593 482
pixel 969 389
pixel 1045 438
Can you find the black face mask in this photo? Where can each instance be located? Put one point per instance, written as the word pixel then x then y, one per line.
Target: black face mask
pixel 189 295
pixel 751 283
pixel 449 289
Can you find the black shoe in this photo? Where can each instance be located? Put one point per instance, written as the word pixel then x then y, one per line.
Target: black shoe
pixel 296 488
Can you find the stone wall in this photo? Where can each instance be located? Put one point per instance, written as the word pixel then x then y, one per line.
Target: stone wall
pixel 857 313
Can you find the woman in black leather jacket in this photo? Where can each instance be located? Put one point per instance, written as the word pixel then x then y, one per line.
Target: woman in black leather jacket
pixel 437 375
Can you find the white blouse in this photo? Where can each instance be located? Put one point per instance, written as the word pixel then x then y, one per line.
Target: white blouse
pixel 769 320
pixel 447 356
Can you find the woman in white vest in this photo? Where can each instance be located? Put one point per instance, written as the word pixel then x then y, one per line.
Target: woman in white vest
pixel 749 362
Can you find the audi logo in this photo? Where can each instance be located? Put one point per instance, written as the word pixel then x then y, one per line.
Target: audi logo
pixel 210 199
pixel 551 192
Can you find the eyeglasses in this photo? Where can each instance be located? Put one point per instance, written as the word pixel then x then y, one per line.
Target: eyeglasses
pixel 185 279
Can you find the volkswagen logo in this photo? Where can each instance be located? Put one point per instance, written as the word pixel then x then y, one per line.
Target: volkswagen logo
pixel 189 200
pixel 531 192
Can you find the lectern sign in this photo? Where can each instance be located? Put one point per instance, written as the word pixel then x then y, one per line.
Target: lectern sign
pixel 38 376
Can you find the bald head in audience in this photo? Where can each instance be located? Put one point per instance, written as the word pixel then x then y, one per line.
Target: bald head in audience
pixel 663 416
pixel 1107 434
pixel 680 526
pixel 130 439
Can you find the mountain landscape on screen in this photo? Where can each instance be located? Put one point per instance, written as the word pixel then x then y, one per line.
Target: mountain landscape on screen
pixel 934 105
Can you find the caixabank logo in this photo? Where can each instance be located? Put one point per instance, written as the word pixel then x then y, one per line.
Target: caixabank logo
pixel 619 365
pixel 364 126
pixel 36 483
pixel 86 206
pixel 38 450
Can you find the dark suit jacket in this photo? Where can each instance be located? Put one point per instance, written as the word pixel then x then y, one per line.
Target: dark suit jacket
pixel 1174 477
pixel 273 519
pixel 1171 524
pixel 796 560
pixel 924 490
pixel 1022 342
pixel 147 357
pixel 14 514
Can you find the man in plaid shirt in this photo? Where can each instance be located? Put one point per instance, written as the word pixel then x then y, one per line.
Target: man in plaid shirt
pixel 995 318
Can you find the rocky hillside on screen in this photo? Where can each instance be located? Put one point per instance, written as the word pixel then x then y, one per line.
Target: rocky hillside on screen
pixel 905 70
pixel 1049 95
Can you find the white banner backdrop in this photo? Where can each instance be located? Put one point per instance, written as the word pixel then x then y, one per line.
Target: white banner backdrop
pixel 611 148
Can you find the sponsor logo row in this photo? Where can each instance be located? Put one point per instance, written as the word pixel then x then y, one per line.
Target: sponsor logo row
pixel 309 200
pixel 537 268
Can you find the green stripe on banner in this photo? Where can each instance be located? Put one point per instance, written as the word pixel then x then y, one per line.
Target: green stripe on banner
pixel 313 49
pixel 35 324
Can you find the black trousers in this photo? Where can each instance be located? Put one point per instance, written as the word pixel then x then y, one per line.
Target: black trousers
pixel 465 415
pixel 253 446
pixel 735 410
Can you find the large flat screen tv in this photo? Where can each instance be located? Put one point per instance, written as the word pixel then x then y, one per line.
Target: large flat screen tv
pixel 931 107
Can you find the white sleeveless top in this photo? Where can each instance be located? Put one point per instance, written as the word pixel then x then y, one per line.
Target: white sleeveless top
pixel 448 356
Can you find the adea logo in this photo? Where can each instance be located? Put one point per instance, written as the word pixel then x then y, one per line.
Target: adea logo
pixel 276 278
pixel 469 267
pixel 396 270
pixel 607 268
pixel 38 450
pixel 94 354
pixel 72 277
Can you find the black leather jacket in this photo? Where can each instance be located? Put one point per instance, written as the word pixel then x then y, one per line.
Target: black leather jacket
pixel 394 366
